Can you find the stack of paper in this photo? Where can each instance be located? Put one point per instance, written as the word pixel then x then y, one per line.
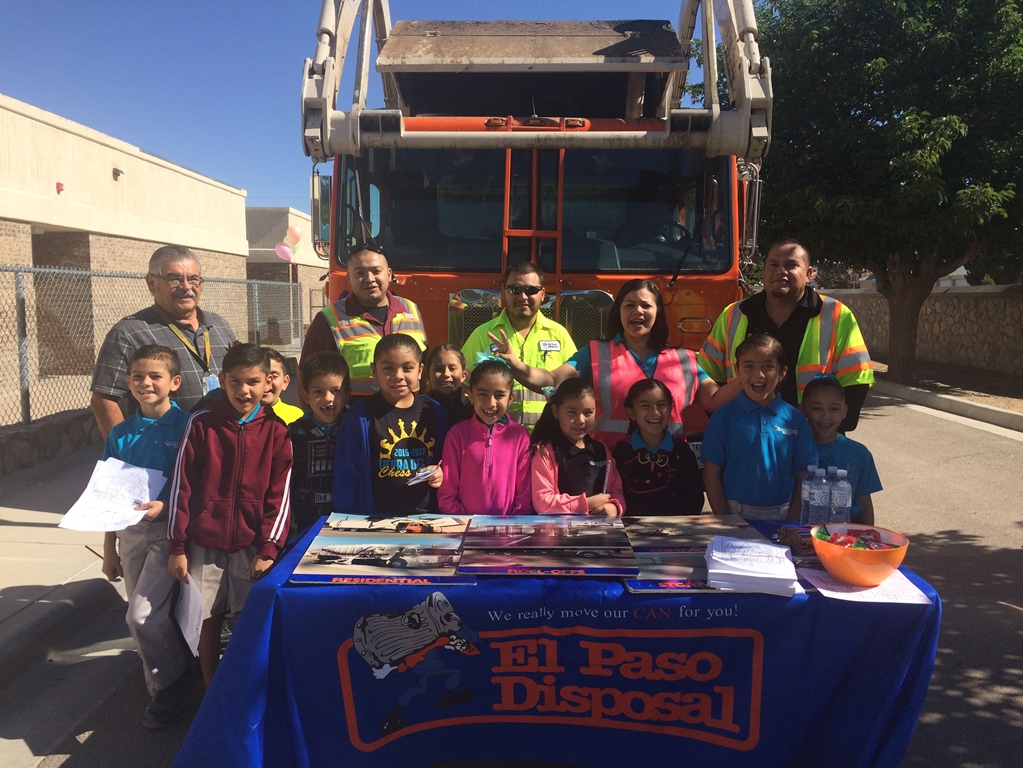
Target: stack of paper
pixel 750 566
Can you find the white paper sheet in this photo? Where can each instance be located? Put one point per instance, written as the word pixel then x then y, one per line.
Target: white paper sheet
pixel 108 501
pixel 750 566
pixel 188 613
pixel 895 589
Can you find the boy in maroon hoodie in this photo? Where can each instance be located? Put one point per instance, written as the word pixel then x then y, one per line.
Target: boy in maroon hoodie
pixel 229 496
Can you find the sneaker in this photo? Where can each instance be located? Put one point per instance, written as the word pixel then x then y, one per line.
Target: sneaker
pixel 166 705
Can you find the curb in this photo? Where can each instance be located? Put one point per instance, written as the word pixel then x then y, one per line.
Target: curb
pixel 31 635
pixel 999 417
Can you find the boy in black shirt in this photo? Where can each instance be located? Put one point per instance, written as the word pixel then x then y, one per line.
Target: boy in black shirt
pixel 325 386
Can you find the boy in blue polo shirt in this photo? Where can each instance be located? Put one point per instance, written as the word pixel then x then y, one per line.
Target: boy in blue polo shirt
pixel 756 447
pixel 824 407
pixel 150 438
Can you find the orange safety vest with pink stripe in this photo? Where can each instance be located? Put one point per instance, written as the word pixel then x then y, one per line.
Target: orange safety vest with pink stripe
pixel 615 370
pixel 356 339
pixel 831 345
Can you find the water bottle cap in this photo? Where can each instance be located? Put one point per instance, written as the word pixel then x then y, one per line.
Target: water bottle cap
pixel 821 473
pixel 811 468
pixel 832 468
pixel 843 473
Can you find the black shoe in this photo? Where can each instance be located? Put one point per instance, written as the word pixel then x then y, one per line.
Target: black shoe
pixel 166 705
pixel 392 722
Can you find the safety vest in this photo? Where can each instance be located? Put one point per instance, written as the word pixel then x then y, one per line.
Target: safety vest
pixel 831 345
pixel 535 350
pixel 615 370
pixel 356 339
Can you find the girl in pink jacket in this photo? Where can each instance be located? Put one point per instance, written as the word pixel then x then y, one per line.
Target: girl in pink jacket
pixel 486 457
pixel 572 472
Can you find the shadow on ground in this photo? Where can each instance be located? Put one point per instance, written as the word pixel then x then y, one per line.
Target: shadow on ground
pixel 973 714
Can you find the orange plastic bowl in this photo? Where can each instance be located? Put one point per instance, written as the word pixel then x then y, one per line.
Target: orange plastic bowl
pixel 860 567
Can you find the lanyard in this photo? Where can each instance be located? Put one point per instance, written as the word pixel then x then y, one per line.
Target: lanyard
pixel 188 345
pixel 191 348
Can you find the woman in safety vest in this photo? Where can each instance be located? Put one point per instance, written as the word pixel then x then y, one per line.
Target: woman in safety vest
pixel 636 347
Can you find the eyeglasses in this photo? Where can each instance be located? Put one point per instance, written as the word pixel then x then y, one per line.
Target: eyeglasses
pixel 176 281
pixel 518 290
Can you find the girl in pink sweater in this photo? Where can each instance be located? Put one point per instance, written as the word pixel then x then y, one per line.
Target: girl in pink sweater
pixel 486 457
pixel 572 472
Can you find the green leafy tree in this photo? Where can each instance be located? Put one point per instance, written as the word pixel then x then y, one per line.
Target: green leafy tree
pixel 897 140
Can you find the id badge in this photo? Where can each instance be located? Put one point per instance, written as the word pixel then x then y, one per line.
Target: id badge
pixel 210 383
pixel 552 345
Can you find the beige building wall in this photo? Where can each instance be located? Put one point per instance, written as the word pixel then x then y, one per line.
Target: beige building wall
pixel 72 197
pixel 57 174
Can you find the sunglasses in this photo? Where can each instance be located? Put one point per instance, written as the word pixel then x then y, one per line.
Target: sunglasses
pixel 518 290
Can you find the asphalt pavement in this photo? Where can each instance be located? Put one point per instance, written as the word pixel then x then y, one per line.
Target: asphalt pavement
pixel 52 590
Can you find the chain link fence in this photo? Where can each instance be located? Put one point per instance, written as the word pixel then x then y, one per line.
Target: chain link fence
pixel 53 322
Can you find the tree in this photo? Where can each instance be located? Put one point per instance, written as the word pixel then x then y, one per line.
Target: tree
pixel 897 140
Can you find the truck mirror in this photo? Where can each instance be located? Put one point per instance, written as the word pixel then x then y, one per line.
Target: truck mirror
pixel 320 214
pixel 751 184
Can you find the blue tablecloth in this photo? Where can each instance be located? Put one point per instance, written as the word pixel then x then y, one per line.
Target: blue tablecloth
pixel 567 671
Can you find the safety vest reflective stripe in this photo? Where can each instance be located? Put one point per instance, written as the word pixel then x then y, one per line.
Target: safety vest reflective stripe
pixel 530 406
pixel 600 359
pixel 854 359
pixel 735 318
pixel 830 309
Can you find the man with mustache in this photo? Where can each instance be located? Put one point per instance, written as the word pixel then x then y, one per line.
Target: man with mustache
pixel 174 320
pixel 139 553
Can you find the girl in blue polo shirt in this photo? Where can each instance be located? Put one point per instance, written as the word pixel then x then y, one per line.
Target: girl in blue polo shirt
pixel 757 447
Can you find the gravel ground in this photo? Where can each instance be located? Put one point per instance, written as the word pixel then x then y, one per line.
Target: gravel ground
pixel 1000 390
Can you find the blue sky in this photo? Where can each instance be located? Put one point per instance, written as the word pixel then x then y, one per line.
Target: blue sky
pixel 212 85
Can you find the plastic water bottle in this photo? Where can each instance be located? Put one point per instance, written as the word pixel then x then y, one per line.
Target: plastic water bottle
pixel 820 499
pixel 841 499
pixel 804 510
pixel 832 474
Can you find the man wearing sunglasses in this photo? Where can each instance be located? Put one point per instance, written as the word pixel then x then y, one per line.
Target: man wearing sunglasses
pixel 355 323
pixel 538 341
pixel 201 339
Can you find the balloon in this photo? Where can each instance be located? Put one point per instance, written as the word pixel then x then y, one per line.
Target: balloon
pixel 294 235
pixel 283 251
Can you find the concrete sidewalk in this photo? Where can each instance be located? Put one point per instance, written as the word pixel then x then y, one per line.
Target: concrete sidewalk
pixel 51 584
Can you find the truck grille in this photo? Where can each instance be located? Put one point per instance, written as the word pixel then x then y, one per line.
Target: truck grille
pixel 583 313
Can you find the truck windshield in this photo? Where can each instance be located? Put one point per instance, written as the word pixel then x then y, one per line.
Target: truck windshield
pixel 622 211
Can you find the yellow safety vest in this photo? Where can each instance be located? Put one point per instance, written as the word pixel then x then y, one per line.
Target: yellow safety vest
pixel 832 345
pixel 356 339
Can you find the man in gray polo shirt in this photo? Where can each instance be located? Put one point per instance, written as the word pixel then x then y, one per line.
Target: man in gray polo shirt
pixel 174 320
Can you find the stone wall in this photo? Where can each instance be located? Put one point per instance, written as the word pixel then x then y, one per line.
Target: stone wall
pixel 978 326
pixel 48 438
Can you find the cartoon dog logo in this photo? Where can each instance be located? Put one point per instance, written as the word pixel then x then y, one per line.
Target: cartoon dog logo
pixel 406 642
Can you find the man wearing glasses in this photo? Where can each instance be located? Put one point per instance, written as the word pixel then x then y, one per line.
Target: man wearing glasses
pixel 538 341
pixel 174 320
pixel 355 323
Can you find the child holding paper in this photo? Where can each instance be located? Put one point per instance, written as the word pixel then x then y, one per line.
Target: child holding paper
pixel 230 496
pixel 389 445
pixel 150 438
